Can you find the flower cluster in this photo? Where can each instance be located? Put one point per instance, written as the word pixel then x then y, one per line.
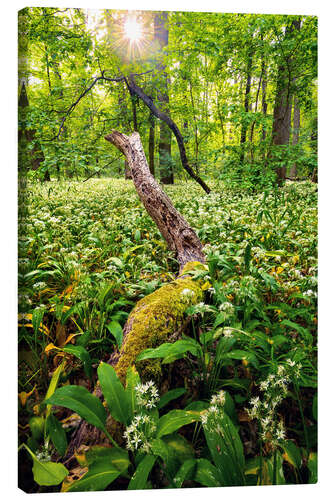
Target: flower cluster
pixel 139 433
pixel 146 395
pixel 210 417
pixel 275 388
pixel 227 308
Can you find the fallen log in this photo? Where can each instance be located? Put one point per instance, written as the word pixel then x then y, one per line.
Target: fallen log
pixel 156 317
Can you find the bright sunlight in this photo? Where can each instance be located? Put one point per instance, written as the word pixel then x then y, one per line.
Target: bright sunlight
pixel 133 30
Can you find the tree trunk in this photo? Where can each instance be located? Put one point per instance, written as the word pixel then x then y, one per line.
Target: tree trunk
pixel 151 143
pixel 161 315
pixel 282 107
pixel 296 126
pixel 26 136
pixel 161 35
pixel 246 106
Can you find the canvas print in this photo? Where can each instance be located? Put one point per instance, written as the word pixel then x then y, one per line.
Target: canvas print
pixel 167 240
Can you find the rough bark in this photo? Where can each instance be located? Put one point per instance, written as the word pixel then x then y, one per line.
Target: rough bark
pixel 296 126
pixel 283 103
pixel 179 236
pixel 26 136
pixel 246 106
pixel 151 142
pixel 161 36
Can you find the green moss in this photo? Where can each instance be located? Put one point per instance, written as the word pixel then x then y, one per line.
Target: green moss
pixel 154 319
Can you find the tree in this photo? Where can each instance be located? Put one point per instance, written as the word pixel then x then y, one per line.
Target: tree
pixel 161 35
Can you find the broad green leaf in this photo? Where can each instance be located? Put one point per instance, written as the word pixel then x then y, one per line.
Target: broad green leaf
pixel 166 453
pixel 226 450
pixel 186 471
pixel 174 420
pixel 55 430
pixel 243 355
pixel 170 395
pixel 313 468
pixel 132 380
pixel 140 476
pixel 109 464
pixel 116 330
pixel 292 453
pixel 82 402
pixel 47 473
pixel 36 425
pixel 154 353
pixel 182 448
pixel 80 352
pixel 206 473
pixel 53 385
pixel 114 392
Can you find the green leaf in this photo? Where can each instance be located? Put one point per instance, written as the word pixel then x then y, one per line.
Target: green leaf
pixel 116 330
pixel 55 430
pixel 182 448
pixel 82 354
pixel 170 396
pixel 292 453
pixel 37 318
pixel 140 476
pixel 53 385
pixel 186 471
pixel 36 425
pixel 226 450
pixel 109 464
pixel 132 380
pixel 206 474
pixel 47 473
pixel 81 401
pixel 114 393
pixel 313 468
pixel 243 355
pixel 175 419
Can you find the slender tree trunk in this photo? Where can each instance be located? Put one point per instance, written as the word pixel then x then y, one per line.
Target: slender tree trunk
pixel 296 127
pixel 246 106
pixel 196 150
pixel 161 35
pixel 151 142
pixel 26 136
pixel 282 107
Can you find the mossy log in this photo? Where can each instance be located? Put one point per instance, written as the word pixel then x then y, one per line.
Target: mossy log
pixel 161 313
pixel 158 316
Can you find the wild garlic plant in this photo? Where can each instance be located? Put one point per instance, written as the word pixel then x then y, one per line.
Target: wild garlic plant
pixel 275 389
pixel 142 429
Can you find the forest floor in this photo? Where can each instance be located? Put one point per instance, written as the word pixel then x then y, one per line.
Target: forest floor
pixel 89 251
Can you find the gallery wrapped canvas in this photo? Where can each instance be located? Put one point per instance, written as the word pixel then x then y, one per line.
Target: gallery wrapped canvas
pixel 167 249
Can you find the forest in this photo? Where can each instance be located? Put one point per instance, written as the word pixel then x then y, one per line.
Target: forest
pixel 167 249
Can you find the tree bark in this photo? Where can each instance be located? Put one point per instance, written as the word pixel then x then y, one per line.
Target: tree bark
pixel 177 233
pixel 161 35
pixel 246 106
pixel 283 103
pixel 151 144
pixel 296 126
